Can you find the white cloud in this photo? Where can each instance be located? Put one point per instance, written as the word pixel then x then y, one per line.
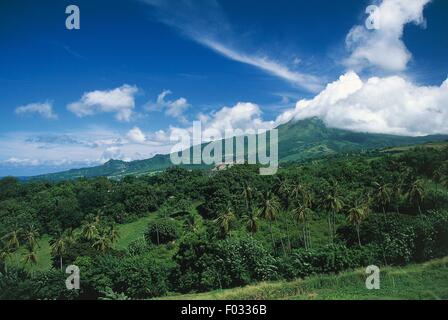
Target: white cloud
pixel 136 135
pixel 380 105
pixel 119 101
pixel 43 109
pixel 243 116
pixel 173 108
pixel 275 68
pixel 384 48
pixel 21 162
pixel 76 149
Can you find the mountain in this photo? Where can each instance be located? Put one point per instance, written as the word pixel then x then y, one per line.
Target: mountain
pixel 298 140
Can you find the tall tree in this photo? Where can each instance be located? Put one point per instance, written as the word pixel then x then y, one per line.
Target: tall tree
pixel 30 255
pixel 31 236
pixel 269 211
pixel 224 221
pixel 61 244
pixel 356 215
pixel 382 194
pixel 416 194
pixel 333 204
pixel 301 214
pixel 12 239
pixel 251 220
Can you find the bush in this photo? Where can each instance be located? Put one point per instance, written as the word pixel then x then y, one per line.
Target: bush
pixel 203 265
pixel 161 231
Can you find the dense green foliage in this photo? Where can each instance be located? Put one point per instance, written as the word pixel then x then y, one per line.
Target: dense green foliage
pixel 207 230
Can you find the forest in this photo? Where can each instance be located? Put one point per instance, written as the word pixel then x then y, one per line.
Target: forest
pixel 205 230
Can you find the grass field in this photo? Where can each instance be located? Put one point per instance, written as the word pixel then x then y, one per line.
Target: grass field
pixel 43 253
pixel 414 282
pixel 132 231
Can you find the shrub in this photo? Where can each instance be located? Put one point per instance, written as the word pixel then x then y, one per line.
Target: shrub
pixel 161 231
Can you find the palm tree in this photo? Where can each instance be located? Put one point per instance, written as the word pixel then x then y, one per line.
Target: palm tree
pixel 269 211
pixel 397 189
pixel 31 236
pixel 251 220
pixel 5 253
pixel 90 230
pixel 60 245
pixel 224 221
pixel 247 194
pixel 356 216
pixel 301 213
pixel 13 239
pixel 284 191
pixel 102 243
pixel 333 204
pixel 382 194
pixel 30 256
pixel 416 193
pixel 297 190
pixel 114 234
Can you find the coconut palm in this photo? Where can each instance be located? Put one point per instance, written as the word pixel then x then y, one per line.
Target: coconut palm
pixel 416 193
pixel 113 234
pixel 102 243
pixel 30 255
pixel 31 236
pixel 301 215
pixel 269 210
pixel 333 204
pixel 251 220
pixel 247 195
pixel 356 216
pixel 90 230
pixel 5 253
pixel 224 221
pixel 60 245
pixel 382 194
pixel 284 191
pixel 12 239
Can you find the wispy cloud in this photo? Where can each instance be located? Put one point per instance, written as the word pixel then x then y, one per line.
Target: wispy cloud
pixel 204 22
pixel 43 109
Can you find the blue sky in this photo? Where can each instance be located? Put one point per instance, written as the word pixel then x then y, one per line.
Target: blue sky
pixel 139 69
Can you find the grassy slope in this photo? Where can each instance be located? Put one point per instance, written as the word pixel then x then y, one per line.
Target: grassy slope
pixel 420 281
pixel 43 256
pixel 132 231
pixel 128 233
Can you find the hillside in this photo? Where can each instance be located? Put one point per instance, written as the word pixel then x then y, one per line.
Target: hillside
pixel 413 282
pixel 299 140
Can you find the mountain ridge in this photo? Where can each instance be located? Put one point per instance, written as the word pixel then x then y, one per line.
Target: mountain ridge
pixel 298 140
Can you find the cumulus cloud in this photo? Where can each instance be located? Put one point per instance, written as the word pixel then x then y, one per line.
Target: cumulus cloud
pixel 173 108
pixel 119 101
pixel 384 47
pixel 244 116
pixel 379 105
pixel 136 135
pixel 43 109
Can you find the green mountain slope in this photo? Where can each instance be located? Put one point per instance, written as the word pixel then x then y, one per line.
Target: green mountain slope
pixel 298 140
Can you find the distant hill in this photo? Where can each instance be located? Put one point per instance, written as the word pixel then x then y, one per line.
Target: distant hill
pixel 298 140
